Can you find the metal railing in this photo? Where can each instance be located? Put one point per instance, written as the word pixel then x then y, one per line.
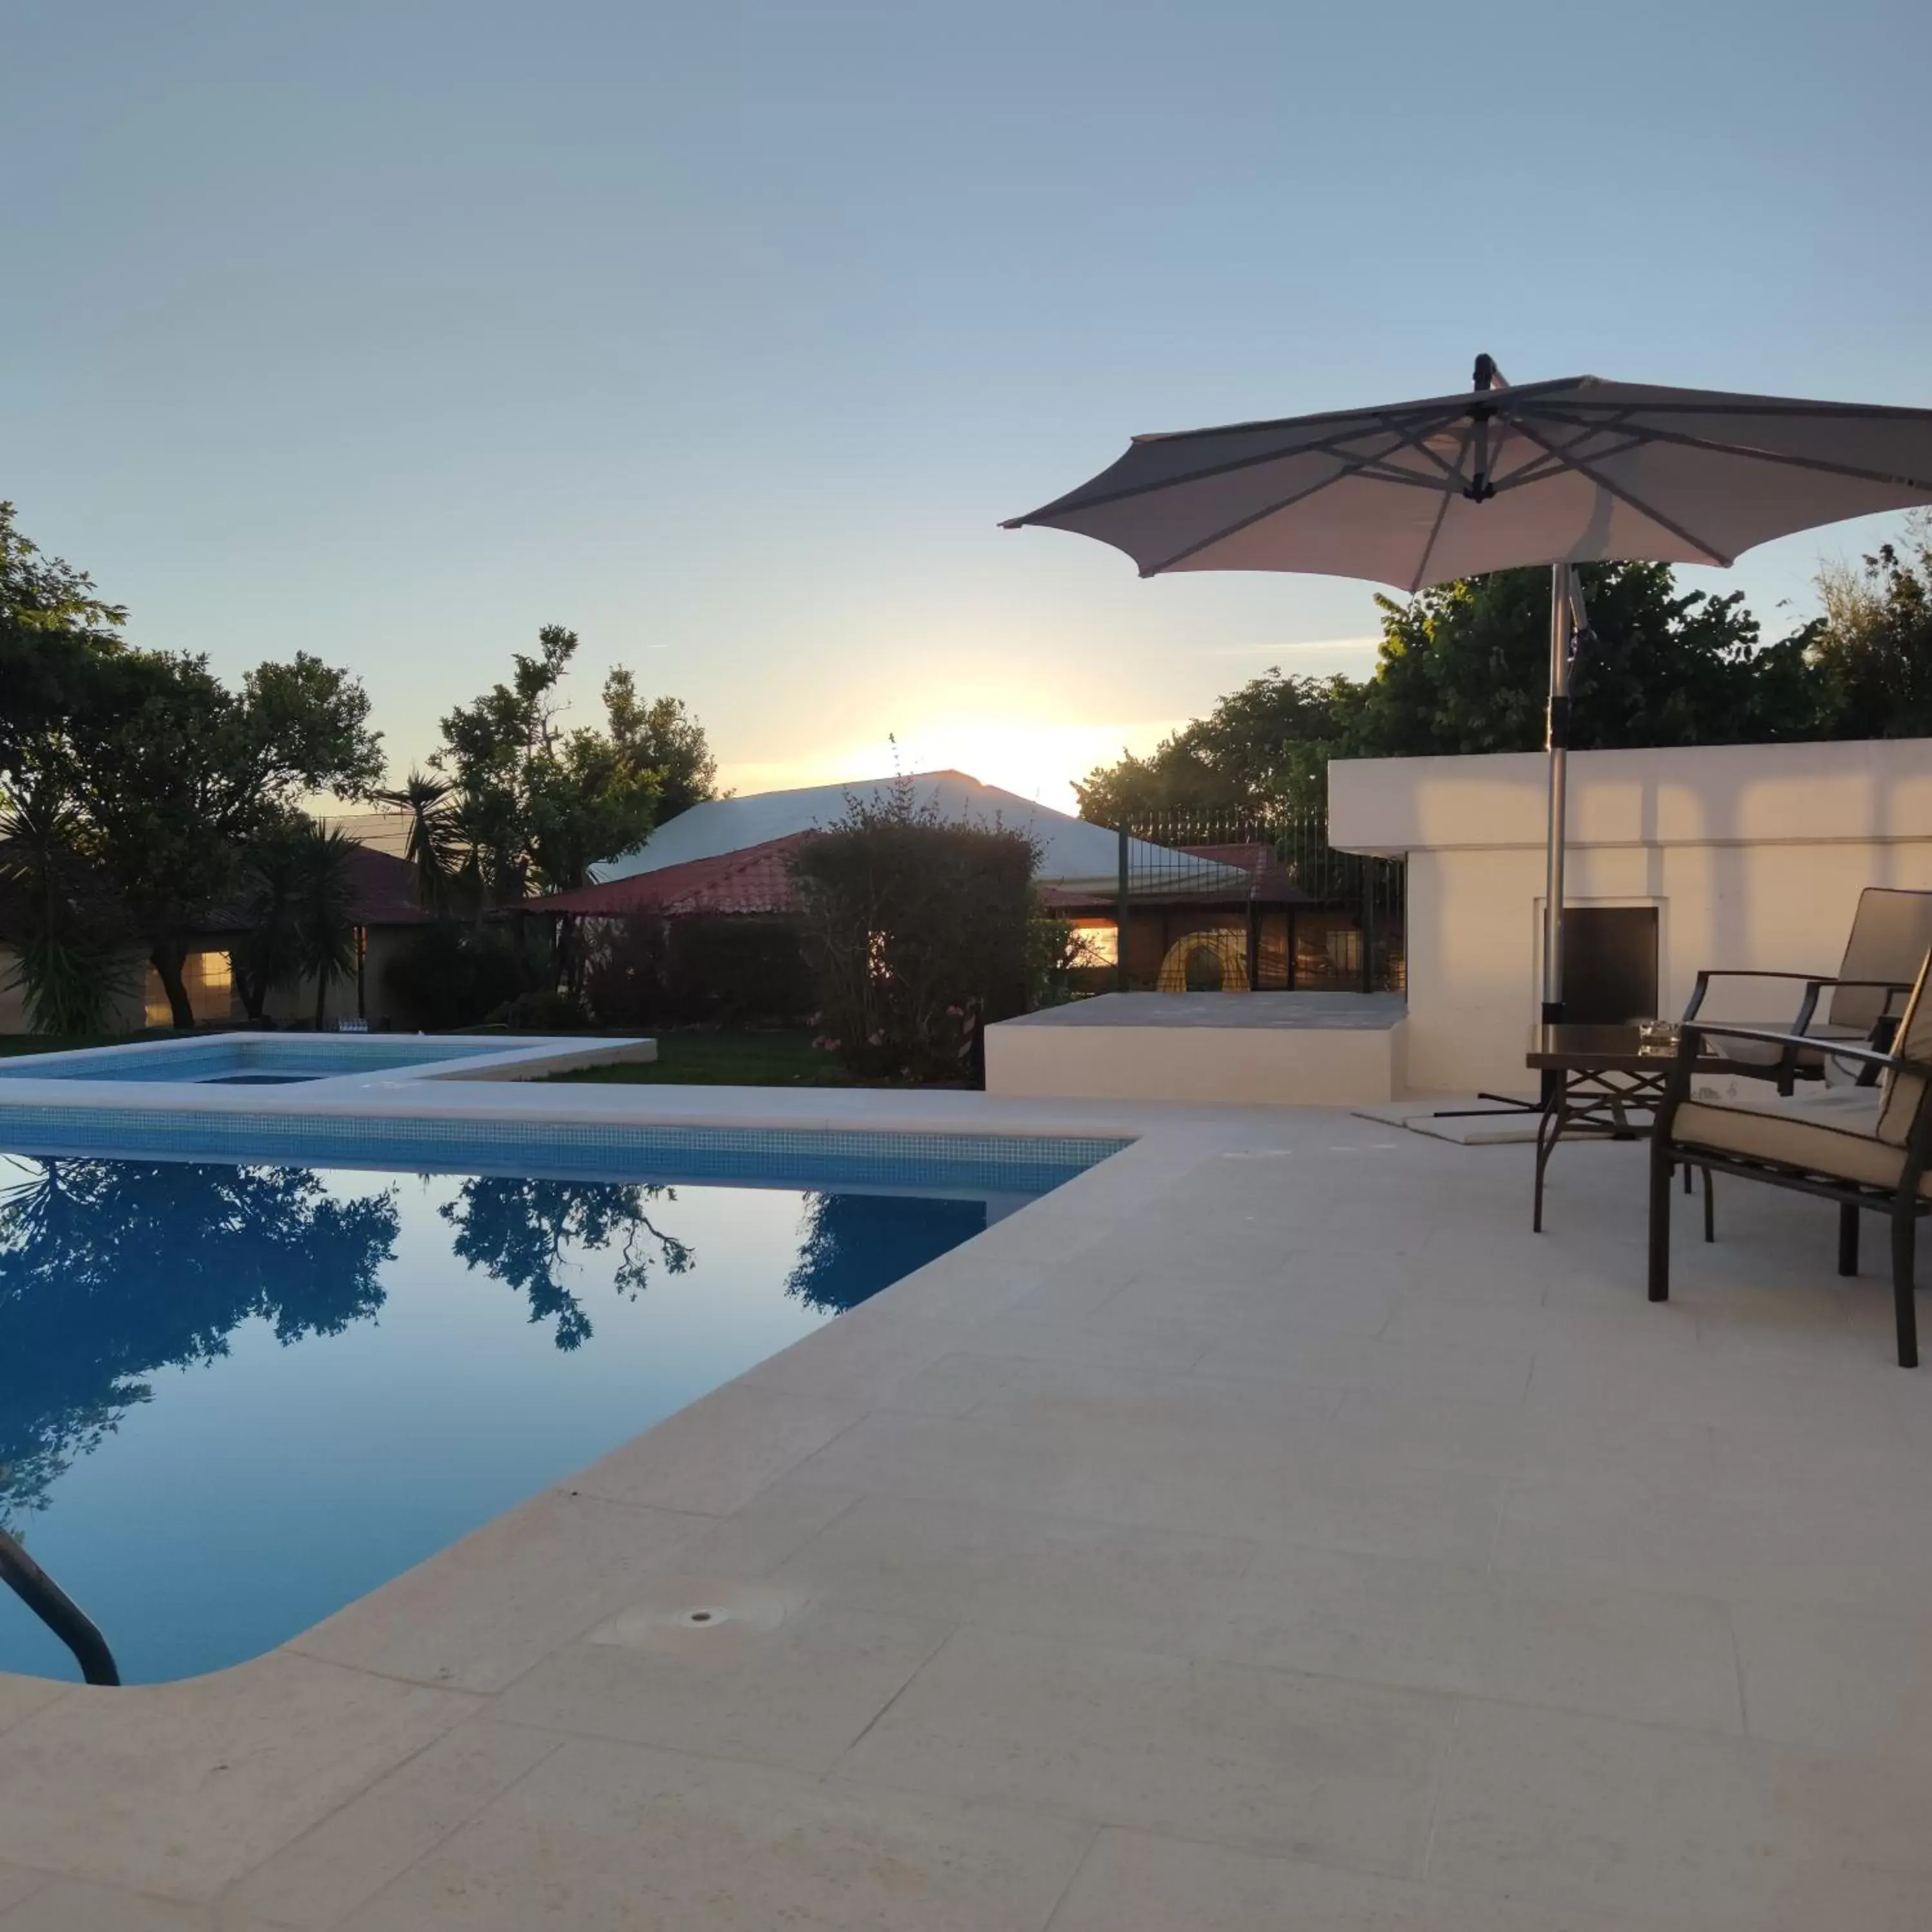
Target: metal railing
pixel 57 1611
pixel 1268 903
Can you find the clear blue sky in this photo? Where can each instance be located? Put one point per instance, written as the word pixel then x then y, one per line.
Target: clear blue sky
pixel 725 333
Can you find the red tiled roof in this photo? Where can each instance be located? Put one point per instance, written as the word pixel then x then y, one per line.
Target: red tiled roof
pixel 756 880
pixel 1273 884
pixel 384 890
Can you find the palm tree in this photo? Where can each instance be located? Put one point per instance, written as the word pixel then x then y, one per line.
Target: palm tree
pixel 269 954
pixel 434 841
pixel 75 962
pixel 324 904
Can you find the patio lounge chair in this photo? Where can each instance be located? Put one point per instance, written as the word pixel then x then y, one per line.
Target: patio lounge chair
pixel 1865 1147
pixel 1891 932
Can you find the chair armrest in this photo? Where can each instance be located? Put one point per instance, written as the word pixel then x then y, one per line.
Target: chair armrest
pixel 1765 972
pixel 1694 1030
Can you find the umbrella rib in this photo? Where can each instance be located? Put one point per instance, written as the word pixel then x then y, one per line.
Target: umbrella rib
pixel 1350 469
pixel 1453 476
pixel 1547 464
pixel 1646 434
pixel 1234 529
pixel 1326 446
pixel 1584 469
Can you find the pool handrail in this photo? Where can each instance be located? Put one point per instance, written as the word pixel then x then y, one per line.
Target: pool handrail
pixel 57 1611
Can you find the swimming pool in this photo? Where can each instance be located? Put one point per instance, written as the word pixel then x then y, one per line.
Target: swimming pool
pixel 271 1059
pixel 235 1395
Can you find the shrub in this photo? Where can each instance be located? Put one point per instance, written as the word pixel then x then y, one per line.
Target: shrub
pixel 452 973
pixel 546 1010
pixel 716 971
pixel 918 933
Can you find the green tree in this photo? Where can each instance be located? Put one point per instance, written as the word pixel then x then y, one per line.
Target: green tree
pixel 324 908
pixel 1464 666
pixel 1264 747
pixel 536 805
pixel 267 953
pixel 660 736
pixel 53 630
pixel 74 959
pixel 1873 651
pixel 435 847
pixel 176 777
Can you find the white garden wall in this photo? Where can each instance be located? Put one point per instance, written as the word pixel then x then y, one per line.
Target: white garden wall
pixel 1754 855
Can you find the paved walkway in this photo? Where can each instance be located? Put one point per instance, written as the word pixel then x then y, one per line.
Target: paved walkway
pixel 1266 1530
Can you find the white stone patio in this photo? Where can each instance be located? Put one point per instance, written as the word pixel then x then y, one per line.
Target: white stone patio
pixel 1266 1530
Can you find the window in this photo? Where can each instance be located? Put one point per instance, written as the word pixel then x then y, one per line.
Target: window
pixel 210 983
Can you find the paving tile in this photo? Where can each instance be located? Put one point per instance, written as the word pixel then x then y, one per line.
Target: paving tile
pixel 714 1457
pixel 953 1385
pixel 609 1837
pixel 17 1881
pixel 1205 1460
pixel 1737 1542
pixel 1288 1350
pixel 480 1612
pixel 178 1789
pixel 1223 1752
pixel 325 1874
pixel 1443 1627
pixel 21 1696
pixel 1260 1294
pixel 1588 1812
pixel 1134 1881
pixel 1836 1680
pixel 1013 1570
pixel 767 1675
pixel 1171 1341
pixel 69 1905
pixel 868 1347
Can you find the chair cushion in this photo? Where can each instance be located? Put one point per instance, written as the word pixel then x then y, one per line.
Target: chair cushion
pixel 1834 1133
pixel 1891 932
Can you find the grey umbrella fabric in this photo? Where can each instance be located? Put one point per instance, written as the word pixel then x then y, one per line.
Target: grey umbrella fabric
pixel 1581 470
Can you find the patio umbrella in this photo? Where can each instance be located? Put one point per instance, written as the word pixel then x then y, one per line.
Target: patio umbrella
pixel 1580 470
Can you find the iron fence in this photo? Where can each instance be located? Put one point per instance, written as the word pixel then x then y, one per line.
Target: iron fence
pixel 1254 901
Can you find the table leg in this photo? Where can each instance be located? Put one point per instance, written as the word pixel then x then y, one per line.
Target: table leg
pixel 1548 1129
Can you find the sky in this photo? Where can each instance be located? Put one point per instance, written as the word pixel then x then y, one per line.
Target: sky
pixel 725 334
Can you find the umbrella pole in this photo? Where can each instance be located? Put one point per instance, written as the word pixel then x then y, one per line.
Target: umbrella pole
pixel 1557 740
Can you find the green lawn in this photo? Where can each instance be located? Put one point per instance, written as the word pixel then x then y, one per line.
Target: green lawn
pixel 769 1059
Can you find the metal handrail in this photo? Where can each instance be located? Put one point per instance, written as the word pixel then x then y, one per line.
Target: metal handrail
pixel 57 1611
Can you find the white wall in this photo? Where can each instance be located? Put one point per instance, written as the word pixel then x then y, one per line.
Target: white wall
pixel 1754 855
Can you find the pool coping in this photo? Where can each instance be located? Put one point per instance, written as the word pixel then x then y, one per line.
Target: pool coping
pixel 512 1057
pixel 124 1787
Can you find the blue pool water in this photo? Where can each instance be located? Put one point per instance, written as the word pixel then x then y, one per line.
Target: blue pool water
pixel 235 1397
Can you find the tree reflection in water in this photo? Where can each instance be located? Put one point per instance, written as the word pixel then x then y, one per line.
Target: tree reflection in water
pixel 850 1246
pixel 112 1269
pixel 518 1231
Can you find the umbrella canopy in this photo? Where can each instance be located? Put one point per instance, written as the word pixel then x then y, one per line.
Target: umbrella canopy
pixel 1578 471
pixel 1581 470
